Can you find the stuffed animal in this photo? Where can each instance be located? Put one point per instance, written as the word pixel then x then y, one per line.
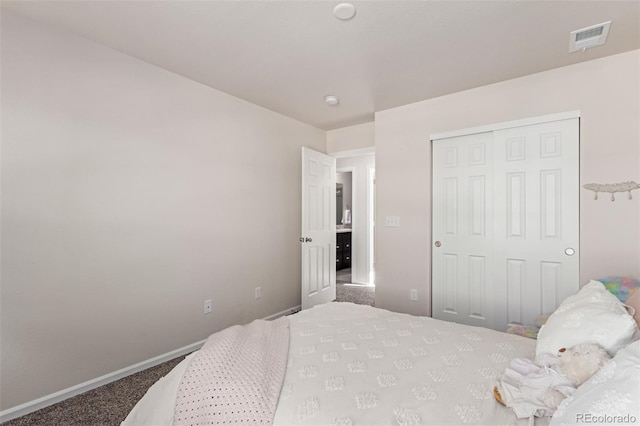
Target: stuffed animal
pixel 530 389
pixel 577 364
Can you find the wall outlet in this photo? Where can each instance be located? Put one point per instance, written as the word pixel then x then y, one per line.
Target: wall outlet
pixel 258 293
pixel 413 295
pixel 207 306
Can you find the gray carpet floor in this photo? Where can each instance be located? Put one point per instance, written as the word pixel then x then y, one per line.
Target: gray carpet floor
pixel 106 405
pixel 356 293
pixel 110 404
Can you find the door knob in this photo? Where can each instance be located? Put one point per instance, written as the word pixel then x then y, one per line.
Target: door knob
pixel 569 251
pixel 307 240
pixel 438 244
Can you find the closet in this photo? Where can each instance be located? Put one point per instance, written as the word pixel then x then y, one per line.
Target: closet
pixel 505 220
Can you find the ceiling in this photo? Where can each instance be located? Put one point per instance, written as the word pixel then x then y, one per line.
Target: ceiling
pixel 288 55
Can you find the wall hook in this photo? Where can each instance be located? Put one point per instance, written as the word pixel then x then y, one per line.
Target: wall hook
pixel 612 188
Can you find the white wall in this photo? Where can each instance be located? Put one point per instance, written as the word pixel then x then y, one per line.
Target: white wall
pixel 358 138
pixel 130 195
pixel 606 91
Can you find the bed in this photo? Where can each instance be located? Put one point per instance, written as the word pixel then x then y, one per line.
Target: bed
pixel 350 364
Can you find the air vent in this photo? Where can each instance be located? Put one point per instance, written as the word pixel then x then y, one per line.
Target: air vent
pixel 589 37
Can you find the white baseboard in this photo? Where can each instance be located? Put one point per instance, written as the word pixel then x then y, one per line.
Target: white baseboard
pixel 283 313
pixel 54 398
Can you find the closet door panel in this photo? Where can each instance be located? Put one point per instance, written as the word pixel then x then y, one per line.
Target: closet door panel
pixel 461 245
pixel 538 218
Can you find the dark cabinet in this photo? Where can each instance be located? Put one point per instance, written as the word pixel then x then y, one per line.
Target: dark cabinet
pixel 343 250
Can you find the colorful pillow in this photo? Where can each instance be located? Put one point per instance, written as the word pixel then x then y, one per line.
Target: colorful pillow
pixel 621 287
pixel 541 320
pixel 593 315
pixel 524 330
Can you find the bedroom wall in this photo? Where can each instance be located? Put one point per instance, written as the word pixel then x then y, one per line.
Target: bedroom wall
pixel 606 91
pixel 129 196
pixel 360 137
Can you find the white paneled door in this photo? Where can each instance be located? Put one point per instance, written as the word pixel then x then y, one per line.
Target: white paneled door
pixel 462 229
pixel 318 237
pixel 505 223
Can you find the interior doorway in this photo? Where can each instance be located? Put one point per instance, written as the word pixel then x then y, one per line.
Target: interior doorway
pixel 344 230
pixel 355 206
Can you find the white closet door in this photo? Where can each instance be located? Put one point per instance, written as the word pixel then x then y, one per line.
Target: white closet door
pixel 536 219
pixel 505 223
pixel 462 288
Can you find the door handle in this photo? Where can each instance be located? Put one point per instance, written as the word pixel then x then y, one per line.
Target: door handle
pixel 569 252
pixel 305 239
pixel 437 244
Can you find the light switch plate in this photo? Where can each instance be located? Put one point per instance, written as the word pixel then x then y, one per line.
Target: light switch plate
pixel 392 221
pixel 413 295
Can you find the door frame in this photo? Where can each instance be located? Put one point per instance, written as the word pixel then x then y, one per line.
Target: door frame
pixel 352 170
pixel 369 215
pixel 505 125
pixel 371 223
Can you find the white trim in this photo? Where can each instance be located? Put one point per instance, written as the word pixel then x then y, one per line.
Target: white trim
pixel 507 125
pixel 354 233
pixel 353 152
pixel 371 209
pixel 54 398
pixel 289 311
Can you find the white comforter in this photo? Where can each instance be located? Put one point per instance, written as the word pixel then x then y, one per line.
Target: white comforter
pixel 358 365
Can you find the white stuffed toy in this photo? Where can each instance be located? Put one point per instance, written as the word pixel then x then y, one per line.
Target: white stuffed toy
pixel 533 390
pixel 577 364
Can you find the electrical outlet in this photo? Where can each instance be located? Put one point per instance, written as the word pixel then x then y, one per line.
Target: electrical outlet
pixel 258 293
pixel 413 295
pixel 207 306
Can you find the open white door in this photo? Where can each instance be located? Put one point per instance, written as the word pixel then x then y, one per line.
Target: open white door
pixel 318 237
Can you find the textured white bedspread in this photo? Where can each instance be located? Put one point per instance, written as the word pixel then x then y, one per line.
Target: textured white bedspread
pixel 357 365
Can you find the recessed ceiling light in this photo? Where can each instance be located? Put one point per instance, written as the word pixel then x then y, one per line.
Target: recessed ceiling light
pixel 344 11
pixel 331 100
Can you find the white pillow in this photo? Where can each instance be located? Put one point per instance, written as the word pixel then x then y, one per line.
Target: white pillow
pixel 609 397
pixel 593 315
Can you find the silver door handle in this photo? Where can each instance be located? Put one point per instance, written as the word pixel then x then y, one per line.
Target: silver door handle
pixel 569 251
pixel 437 244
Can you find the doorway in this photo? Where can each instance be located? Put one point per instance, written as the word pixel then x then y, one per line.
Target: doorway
pixel 344 230
pixel 355 219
